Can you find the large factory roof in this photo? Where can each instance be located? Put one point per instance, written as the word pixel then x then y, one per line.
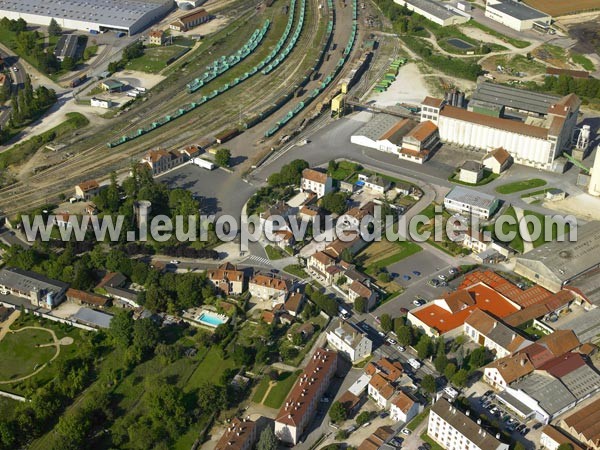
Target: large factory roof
pixel 514 98
pixel 432 7
pixel 25 281
pixel 519 11
pixel 378 126
pixel 471 197
pixel 116 13
pixel 563 261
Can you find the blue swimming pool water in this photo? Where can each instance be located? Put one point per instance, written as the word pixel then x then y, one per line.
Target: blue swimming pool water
pixel 360 183
pixel 211 320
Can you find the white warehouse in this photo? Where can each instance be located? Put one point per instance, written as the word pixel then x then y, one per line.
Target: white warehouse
pixel 438 12
pixel 517 16
pixel 131 16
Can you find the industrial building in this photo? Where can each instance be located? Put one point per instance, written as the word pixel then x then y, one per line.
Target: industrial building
pixel 516 15
pixel 534 128
pixel 189 21
pixel 468 201
pixel 67 47
pixel 130 17
pixel 39 290
pixel 440 13
pixel 563 264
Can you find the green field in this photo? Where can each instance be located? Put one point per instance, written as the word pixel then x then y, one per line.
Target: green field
pixel 261 390
pixel 274 253
pixel 154 59
pixel 583 61
pixel 19 353
pixel 514 42
pixel 517 186
pixel 210 369
pixel 7 408
pixel 279 392
pixel 488 177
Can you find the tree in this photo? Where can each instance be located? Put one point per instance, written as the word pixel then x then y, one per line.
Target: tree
pixel 404 335
pixel 223 157
pixel 477 358
pixel 121 328
pixel 440 362
pixel 211 398
pixel 67 63
pixel 424 347
pixel 519 446
pixel 347 255
pixel 360 305
pixel 449 371
pixel 145 334
pixel 54 28
pixel 460 378
pixel 243 356
pixel 335 202
pixel 267 440
pixel 337 413
pixel 384 277
pixel 363 418
pixel 428 384
pixel 386 323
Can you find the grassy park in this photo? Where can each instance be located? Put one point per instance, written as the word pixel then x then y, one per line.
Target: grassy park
pixel 518 186
pixel 20 354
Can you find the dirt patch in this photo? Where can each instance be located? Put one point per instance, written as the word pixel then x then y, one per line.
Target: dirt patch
pixel 563 7
pixel 587 35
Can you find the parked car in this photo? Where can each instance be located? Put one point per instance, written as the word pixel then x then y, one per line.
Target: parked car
pixel 383 415
pixel 416 273
pixel 391 341
pixel 381 333
pixel 524 431
pixel 441 276
pixel 400 348
pixel 174 261
pixel 366 424
pixel 405 277
pixel 406 431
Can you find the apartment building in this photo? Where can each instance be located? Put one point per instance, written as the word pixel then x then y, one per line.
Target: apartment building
pixel 349 341
pixel 316 181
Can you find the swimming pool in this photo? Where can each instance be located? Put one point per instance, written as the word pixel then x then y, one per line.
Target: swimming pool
pixel 211 319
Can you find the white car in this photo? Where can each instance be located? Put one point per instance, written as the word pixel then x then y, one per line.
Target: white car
pixel 441 276
pixel 400 348
pixel 415 364
pixel 381 333
pixel 406 431
pixel 15 69
pixel 174 261
pixel 391 341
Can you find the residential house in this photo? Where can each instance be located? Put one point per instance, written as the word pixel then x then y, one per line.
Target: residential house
pixel 294 303
pixel 391 371
pixel 351 402
pixel 498 160
pixel 63 220
pixel 240 434
pixel 318 263
pixel 39 290
pixel 404 408
pixel 301 403
pixel 227 278
pixel 484 329
pixel 418 144
pixel 316 181
pixel 349 340
pixel 284 239
pixel 381 391
pixel 357 289
pixel 471 172
pixel 268 287
pixel 375 183
pixel 309 212
pixel 275 219
pixel 159 161
pixel 87 190
pixel 87 298
pixel 475 241
pixel 350 240
pixel 378 439
pixel 353 218
pixel 156 37
pixel 504 371
pixel 454 430
pixel 190 20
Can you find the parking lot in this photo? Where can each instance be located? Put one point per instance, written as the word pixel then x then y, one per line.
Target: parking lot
pixel 425 263
pixel 220 192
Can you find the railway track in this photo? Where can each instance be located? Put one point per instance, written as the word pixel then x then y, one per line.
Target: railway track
pixel 97 160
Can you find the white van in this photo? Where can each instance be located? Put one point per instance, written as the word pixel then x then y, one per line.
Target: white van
pixel 415 364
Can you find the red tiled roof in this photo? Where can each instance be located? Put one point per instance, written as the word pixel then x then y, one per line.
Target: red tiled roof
pixel 555 434
pixel 306 388
pixel 433 102
pixel 403 401
pixel 500 154
pixel 586 422
pixel 236 435
pixel 568 72
pixel 483 297
pixel 563 365
pixel 323 258
pixel 88 185
pixel 360 289
pixel 272 282
pixel 314 175
pixel 397 127
pixel 381 385
pixel 423 131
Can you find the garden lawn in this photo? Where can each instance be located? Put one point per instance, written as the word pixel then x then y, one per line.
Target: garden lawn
pixel 210 369
pixel 154 58
pixel 296 270
pixel 280 391
pixel 19 354
pixel 261 390
pixel 517 186
pixel 274 253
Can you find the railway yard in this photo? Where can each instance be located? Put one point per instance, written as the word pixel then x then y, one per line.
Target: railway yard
pixel 327 45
